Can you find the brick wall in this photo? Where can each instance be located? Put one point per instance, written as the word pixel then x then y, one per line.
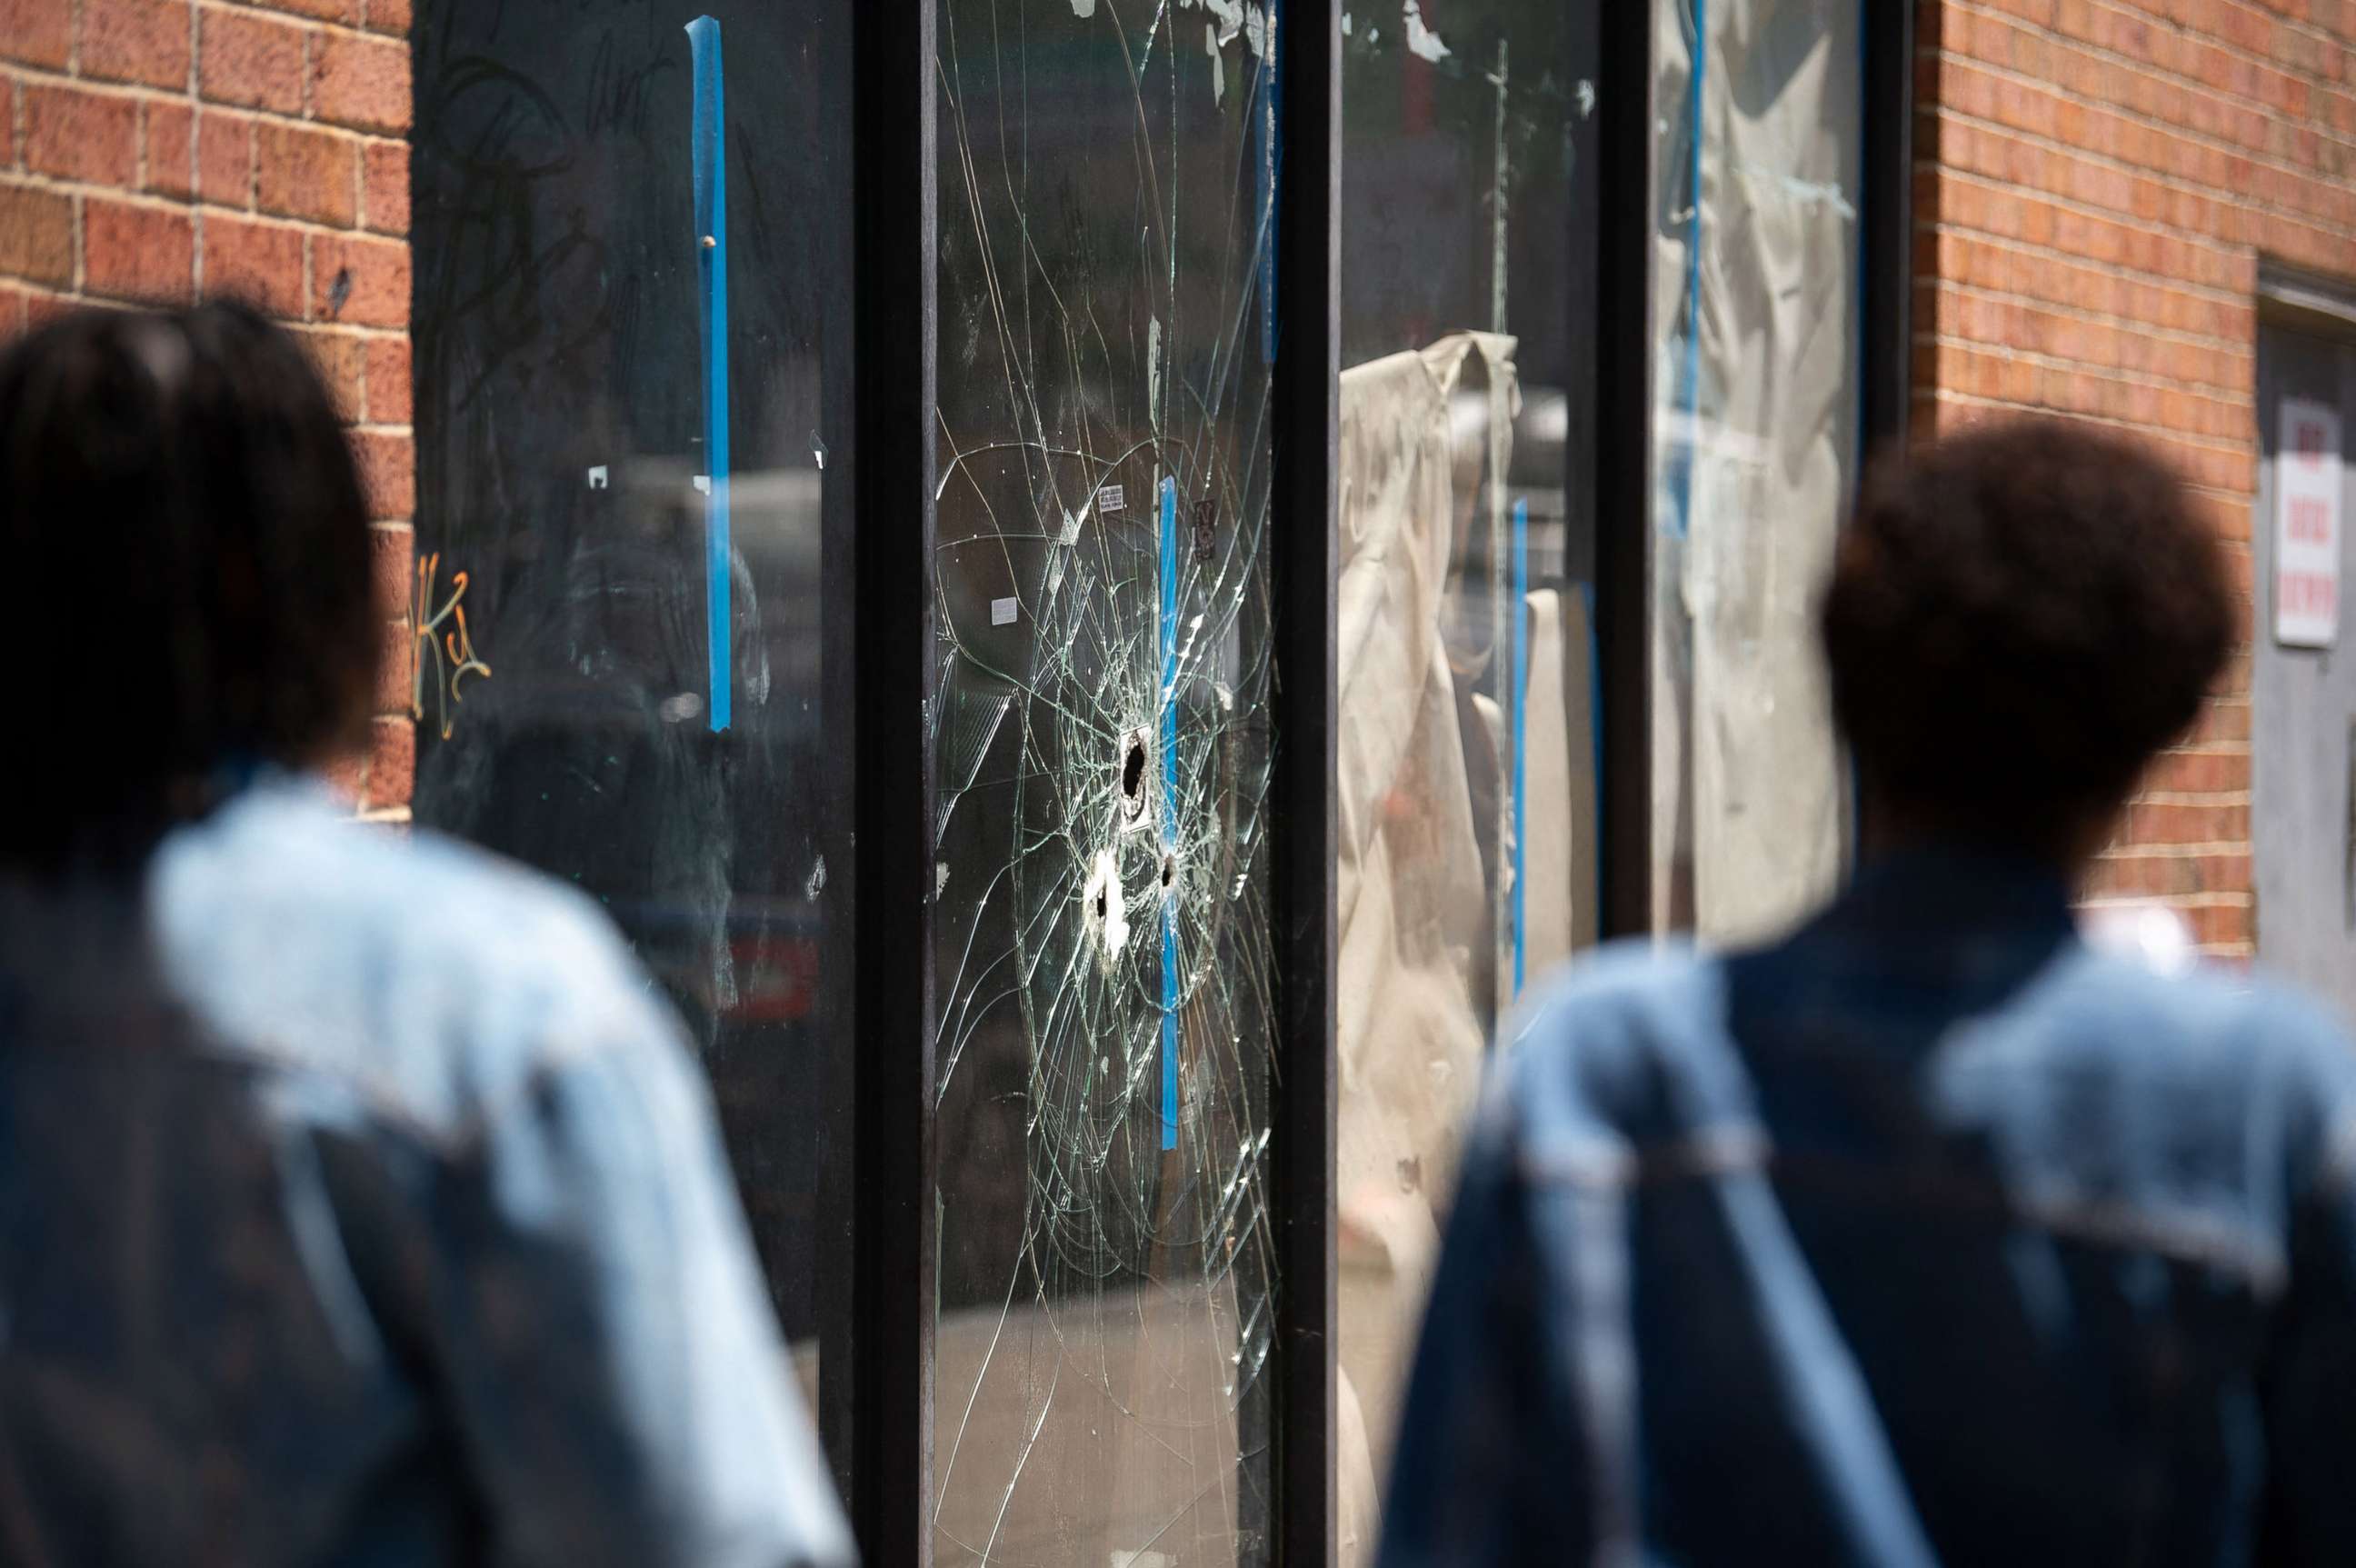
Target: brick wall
pixel 2095 181
pixel 165 151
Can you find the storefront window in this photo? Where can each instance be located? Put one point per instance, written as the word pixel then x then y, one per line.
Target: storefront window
pixel 1101 957
pixel 1468 746
pixel 1757 427
pixel 627 267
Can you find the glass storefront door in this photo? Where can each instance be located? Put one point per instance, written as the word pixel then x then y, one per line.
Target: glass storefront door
pixel 1102 756
pixel 640 279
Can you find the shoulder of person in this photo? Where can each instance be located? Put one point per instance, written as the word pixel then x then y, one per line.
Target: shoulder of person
pixel 1621 1051
pixel 435 978
pixel 2201 1018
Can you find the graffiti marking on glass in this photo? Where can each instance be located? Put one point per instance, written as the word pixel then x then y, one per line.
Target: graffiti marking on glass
pixel 1101 763
pixel 451 654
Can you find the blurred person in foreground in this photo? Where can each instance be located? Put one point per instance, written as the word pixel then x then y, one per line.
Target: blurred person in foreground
pixel 1930 1234
pixel 358 1203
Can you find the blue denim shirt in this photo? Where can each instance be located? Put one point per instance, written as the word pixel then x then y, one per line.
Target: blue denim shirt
pixel 359 1204
pixel 1927 1236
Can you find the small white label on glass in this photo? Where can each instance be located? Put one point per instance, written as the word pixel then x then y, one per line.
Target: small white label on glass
pixel 1002 611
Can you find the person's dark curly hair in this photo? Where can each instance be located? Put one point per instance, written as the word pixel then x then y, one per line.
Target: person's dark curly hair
pixel 187 541
pixel 2021 615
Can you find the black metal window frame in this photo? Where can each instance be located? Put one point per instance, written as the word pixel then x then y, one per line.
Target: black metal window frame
pixel 878 1415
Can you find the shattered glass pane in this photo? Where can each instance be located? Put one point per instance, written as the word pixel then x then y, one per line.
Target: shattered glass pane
pixel 1102 753
pixel 1467 743
pixel 1757 424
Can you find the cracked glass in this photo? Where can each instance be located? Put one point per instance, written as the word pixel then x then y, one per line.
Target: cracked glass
pixel 1467 745
pixel 1107 173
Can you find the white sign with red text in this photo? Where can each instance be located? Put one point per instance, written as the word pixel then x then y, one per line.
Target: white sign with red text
pixel 2306 525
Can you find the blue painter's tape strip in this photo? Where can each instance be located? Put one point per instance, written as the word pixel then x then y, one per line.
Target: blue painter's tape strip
pixel 1169 813
pixel 710 156
pixel 1521 708
pixel 1689 374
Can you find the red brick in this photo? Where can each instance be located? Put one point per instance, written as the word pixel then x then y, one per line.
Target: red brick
pixel 7 123
pixel 13 298
pixel 388 15
pixel 360 81
pixel 259 263
pixel 2176 823
pixel 304 172
pixel 2199 773
pixel 132 252
pixel 42 307
pixel 393 764
pixel 73 134
pixel 2165 876
pixel 388 468
pixel 171 158
pixel 388 370
pixel 2221 925
pixel 372 275
pixel 396 672
pixel 393 568
pixel 337 356
pixel 37 32
pixel 251 60
pixel 144 41
pixel 37 234
pixel 384 178
pixel 225 157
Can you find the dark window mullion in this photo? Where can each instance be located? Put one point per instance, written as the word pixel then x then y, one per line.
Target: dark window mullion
pixel 1623 337
pixel 1305 437
pixel 893 1258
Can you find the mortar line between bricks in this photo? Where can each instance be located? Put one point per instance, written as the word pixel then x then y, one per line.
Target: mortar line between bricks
pixel 2223 46
pixel 145 199
pixel 2207 899
pixel 1974 400
pixel 2220 196
pixel 24 72
pixel 2168 79
pixel 2234 347
pixel 2223 446
pixel 2213 849
pixel 2210 392
pixel 2225 249
pixel 297 19
pixel 2217 293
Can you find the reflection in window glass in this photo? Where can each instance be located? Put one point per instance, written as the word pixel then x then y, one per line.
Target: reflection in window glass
pixel 1102 753
pixel 1757 429
pixel 1467 735
pixel 621 473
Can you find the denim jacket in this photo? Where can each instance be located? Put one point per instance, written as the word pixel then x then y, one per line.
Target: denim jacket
pixel 1928 1236
pixel 359 1204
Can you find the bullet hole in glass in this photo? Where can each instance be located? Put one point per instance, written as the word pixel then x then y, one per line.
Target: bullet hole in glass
pixel 1132 777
